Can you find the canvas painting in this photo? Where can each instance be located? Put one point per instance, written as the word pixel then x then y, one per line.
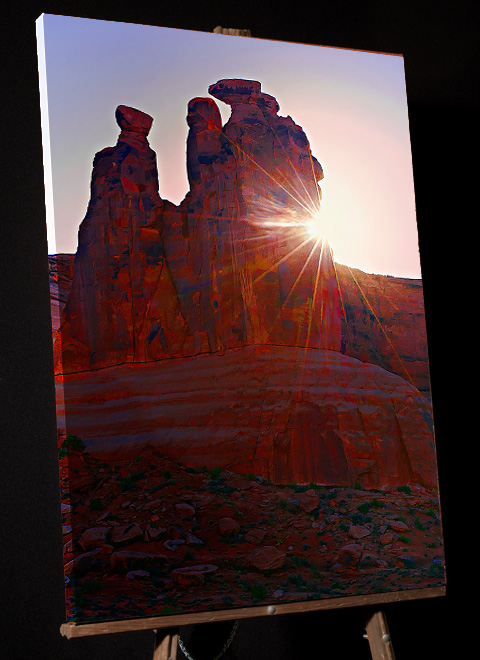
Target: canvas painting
pixel 240 352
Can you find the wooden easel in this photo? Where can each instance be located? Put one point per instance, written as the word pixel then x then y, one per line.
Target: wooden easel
pixel 166 644
pixel 381 648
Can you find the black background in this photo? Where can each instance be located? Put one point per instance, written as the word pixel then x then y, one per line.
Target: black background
pixel 440 44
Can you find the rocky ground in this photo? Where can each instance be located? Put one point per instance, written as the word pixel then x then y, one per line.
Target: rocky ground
pixel 146 536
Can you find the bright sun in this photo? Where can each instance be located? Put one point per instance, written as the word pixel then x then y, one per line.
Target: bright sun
pixel 314 226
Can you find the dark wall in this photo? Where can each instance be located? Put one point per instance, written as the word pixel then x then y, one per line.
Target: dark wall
pixel 439 41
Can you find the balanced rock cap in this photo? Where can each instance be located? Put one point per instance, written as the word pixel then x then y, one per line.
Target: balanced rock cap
pixel 131 119
pixel 235 90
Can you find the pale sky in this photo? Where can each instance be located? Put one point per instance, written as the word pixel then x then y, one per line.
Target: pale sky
pixel 352 106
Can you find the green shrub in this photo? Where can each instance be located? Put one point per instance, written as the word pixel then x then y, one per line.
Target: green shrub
pixel 95 504
pixel 73 442
pixel 419 525
pixel 373 504
pixel 258 591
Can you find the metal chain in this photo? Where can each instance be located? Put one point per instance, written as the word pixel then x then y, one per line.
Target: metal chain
pixel 224 648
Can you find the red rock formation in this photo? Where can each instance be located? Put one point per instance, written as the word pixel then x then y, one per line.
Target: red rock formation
pixel 231 266
pixel 122 305
pixel 382 318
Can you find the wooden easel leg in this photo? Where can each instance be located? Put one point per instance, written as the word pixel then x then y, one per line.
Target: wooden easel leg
pixel 166 642
pixel 378 637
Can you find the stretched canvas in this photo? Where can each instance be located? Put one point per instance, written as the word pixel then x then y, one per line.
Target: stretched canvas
pixel 243 397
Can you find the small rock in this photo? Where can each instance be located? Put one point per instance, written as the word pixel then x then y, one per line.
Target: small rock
pixel 105 516
pixel 411 560
pixel 278 593
pixel 358 532
pixel 81 564
pixel 405 561
pixel 387 538
pixel 127 534
pixel 193 575
pixel 308 501
pixel 106 549
pixel 349 555
pixel 228 527
pixel 153 533
pixel 205 501
pixel 153 503
pixel 185 509
pixel 267 558
pixel 372 560
pixel 136 575
pixel 172 544
pixel 255 536
pixel 93 538
pixel 179 533
pixel 398 526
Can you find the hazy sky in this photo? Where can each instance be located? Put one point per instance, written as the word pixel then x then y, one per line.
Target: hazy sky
pixel 352 106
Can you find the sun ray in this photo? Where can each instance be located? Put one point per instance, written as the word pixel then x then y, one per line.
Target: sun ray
pixel 296 281
pixel 347 327
pixel 280 261
pixel 299 202
pixel 295 171
pixel 314 297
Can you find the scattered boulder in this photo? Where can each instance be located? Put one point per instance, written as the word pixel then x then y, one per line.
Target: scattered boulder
pixel 308 501
pixel 228 527
pixel 255 536
pixel 125 534
pixel 358 532
pixel 137 575
pixel 387 538
pixel 398 526
pixel 172 544
pixel 371 560
pixel 153 533
pixel 83 563
pixel 94 537
pixel 188 537
pixel 267 558
pixel 349 555
pixel 193 575
pixel 411 560
pixel 185 509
